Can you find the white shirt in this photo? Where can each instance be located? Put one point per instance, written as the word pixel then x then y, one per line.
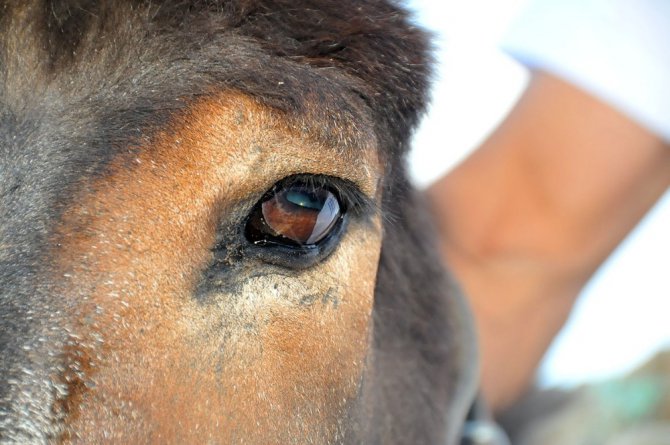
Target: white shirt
pixel 618 50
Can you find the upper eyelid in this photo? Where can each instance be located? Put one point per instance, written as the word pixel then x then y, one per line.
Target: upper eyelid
pixel 350 194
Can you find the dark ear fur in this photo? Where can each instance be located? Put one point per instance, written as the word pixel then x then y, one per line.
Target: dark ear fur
pixel 371 40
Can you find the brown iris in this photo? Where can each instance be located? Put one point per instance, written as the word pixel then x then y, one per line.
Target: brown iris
pixel 297 214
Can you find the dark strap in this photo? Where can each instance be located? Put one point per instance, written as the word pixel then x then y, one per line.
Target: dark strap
pixel 480 428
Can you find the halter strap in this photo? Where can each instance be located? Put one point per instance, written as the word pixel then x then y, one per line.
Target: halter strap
pixel 480 428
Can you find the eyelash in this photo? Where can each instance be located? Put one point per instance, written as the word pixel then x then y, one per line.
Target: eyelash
pixel 347 192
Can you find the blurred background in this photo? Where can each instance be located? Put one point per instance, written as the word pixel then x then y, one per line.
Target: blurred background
pixel 622 317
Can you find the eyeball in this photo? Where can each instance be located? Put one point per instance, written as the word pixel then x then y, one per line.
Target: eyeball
pixel 297 214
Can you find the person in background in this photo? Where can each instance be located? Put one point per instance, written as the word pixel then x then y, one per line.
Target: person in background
pixel 529 217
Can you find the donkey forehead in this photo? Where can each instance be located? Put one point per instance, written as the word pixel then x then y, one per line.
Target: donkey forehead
pixel 69 107
pixel 109 98
pixel 61 128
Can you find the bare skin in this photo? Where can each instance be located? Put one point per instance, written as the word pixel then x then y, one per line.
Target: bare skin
pixel 528 218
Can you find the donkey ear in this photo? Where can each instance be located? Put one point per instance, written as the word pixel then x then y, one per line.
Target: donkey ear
pixel 423 333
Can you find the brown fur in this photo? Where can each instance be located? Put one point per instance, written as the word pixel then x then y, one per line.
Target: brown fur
pixel 134 308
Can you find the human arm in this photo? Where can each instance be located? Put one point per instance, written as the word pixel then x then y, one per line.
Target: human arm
pixel 528 218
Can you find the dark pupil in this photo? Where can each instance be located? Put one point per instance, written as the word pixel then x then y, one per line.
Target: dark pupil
pixel 304 215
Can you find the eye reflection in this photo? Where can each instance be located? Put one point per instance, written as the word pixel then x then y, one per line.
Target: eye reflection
pixel 298 214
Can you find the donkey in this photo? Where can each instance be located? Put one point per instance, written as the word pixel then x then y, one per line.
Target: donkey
pixel 206 230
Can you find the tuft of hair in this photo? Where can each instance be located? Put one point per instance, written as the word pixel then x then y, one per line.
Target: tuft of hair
pixel 372 42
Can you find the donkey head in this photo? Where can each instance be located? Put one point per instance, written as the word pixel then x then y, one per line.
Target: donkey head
pixel 206 234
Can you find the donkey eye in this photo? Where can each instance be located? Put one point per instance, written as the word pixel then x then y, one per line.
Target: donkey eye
pixel 298 214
